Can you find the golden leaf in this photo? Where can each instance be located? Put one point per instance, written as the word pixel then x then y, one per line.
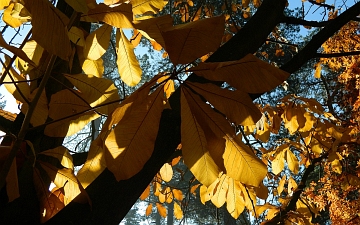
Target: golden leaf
pixel 186 42
pixel 178 213
pixel 76 36
pixel 46 17
pixel 4 3
pixel 131 143
pixel 118 16
pixel 128 65
pixel 145 193
pixel 152 28
pixel 248 74
pixel 259 209
pixel 96 91
pixel 63 178
pixel 178 194
pixel 20 89
pixel 317 70
pixel 263 134
pixel 235 203
pixel 34 53
pixel 194 146
pixel 278 163
pixel 94 164
pixel 236 105
pixel 169 88
pixel 9 19
pixel 193 189
pixel 280 188
pixel 62 154
pixel 292 161
pixel 143 6
pixel 161 210
pixel 148 210
pixel 166 172
pixel 292 185
pixel 219 197
pixel 136 38
pixel 97 42
pixel 336 166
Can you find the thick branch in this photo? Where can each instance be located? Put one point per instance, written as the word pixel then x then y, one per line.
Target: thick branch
pixel 337 54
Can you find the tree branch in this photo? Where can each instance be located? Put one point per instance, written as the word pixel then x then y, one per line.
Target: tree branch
pixel 337 54
pixel 298 21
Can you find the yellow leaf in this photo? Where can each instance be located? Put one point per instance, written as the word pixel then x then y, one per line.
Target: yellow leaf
pixel 169 88
pixel 194 146
pixel 263 134
pixel 236 105
pixel 131 143
pixel 161 210
pixel 20 89
pixel 142 6
pixel 162 197
pixel 241 163
pixel 248 74
pixel 193 189
pixel 136 38
pixel 178 213
pixel 305 120
pixel 94 164
pixel 271 213
pixel 336 166
pixel 280 188
pixel 259 209
pixel 96 91
pixel 186 42
pixel 9 19
pixel 34 52
pixel 128 65
pixel 152 28
pixel 41 111
pixel 292 185
pixel 63 178
pixel 148 210
pixel 278 163
pixel 118 16
pixel 317 70
pixel 292 161
pixel 97 42
pixel 4 3
pixel 235 204
pixel 166 172
pixel 78 5
pixel 45 17
pixel 219 197
pixel 62 154
pixel 204 195
pixel 249 196
pixel 16 51
pixel 76 36
pixel 178 194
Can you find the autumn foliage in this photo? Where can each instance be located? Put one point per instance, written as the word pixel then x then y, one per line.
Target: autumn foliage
pixel 255 157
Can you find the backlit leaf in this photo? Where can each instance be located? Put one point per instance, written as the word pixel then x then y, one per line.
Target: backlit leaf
pixel 63 178
pixel 278 163
pixel 292 161
pixel 16 51
pixel 148 210
pixel 317 70
pixel 142 6
pixel 94 164
pixel 97 42
pixel 259 209
pixel 96 91
pixel 248 74
pixel 34 53
pixel 161 210
pixel 45 17
pixel 128 65
pixel 235 203
pixel 194 146
pixel 186 42
pixel 280 187
pixel 4 3
pixel 178 194
pixel 219 197
pixel 10 20
pixel 62 154
pixel 76 36
pixel 166 172
pixel 178 213
pixel 131 143
pixel 236 105
pixel 118 16
pixel 292 185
